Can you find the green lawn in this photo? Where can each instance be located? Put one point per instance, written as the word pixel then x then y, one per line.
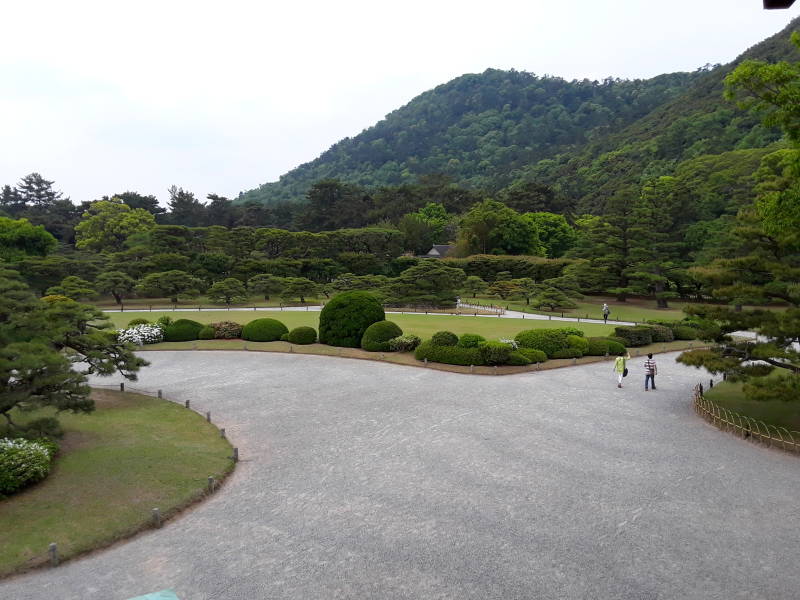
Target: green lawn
pixel 116 464
pixel 773 412
pixel 421 325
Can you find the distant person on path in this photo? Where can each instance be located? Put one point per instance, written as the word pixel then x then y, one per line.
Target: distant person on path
pixel 620 368
pixel 606 311
pixel 650 371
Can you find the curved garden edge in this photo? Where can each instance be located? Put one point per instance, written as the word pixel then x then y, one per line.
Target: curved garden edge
pixel 404 358
pixel 123 535
pixel 743 426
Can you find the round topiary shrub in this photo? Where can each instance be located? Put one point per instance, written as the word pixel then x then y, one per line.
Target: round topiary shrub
pixel 535 356
pixel 661 333
pixel 684 332
pixel 470 340
pixel 23 462
pixel 302 336
pixel 404 343
pixel 567 353
pixel 444 338
pixel 227 330
pixel 548 341
pixel 376 337
pixel 206 333
pixel 597 347
pixel 264 330
pixel 182 330
pixel 343 320
pixel 138 321
pixel 578 342
pixel 615 348
pixel 517 359
pixel 495 353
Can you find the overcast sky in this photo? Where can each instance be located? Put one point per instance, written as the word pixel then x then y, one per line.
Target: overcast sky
pixel 220 97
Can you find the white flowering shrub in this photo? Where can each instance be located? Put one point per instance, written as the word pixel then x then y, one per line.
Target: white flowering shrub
pixel 23 462
pixel 513 343
pixel 141 334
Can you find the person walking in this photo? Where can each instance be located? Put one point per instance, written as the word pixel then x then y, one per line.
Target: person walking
pixel 650 372
pixel 620 368
pixel 606 311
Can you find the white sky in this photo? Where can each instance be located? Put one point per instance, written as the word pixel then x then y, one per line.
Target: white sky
pixel 220 97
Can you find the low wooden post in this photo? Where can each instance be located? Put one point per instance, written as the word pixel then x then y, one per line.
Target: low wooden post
pixel 156 516
pixel 472 368
pixel 188 404
pixel 222 432
pixel 210 484
pixel 235 455
pixel 122 387
pixel 710 383
pixel 208 417
pixel 160 394
pixel 495 369
pixel 52 550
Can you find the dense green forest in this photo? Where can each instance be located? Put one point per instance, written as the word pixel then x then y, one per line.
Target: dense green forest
pixel 506 129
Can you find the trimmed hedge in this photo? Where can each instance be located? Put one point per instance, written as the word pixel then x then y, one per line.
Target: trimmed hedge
pixel 616 349
pixel 23 462
pixel 568 353
pixel 517 359
pixel 285 337
pixel 182 330
pixel 302 336
pixel 449 355
pixel 227 330
pixel 343 320
pixel 444 338
pixel 535 356
pixel 264 330
pixel 495 353
pixel 404 343
pixel 572 331
pixel 661 333
pixel 376 337
pixel 206 333
pixel 578 342
pixel 470 340
pixel 597 347
pixel 684 332
pixel 640 335
pixel 548 341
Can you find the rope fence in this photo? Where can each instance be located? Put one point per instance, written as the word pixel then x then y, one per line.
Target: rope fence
pixel 742 425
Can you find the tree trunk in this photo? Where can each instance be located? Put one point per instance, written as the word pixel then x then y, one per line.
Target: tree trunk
pixel 117 297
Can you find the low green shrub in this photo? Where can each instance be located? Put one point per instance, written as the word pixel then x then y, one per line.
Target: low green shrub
pixel 206 333
pixel 404 343
pixel 684 332
pixel 23 462
pixel 572 331
pixel 495 353
pixel 345 318
pixel 533 355
pixel 660 333
pixel 138 321
pixel 548 341
pixel 302 336
pixel 614 338
pixel 639 335
pixel 470 340
pixel 615 348
pixel 578 342
pixel 227 330
pixel 597 347
pixel 264 330
pixel 182 330
pixel 449 355
pixel 376 337
pixel 285 337
pixel 444 338
pixel 517 359
pixel 164 321
pixel 567 353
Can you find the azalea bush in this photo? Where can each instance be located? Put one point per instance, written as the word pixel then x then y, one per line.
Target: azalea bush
pixel 404 343
pixel 23 462
pixel 141 334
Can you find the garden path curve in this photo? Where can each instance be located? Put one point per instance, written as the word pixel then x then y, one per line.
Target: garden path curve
pixel 366 480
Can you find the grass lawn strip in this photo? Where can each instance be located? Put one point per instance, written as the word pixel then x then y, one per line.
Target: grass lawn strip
pixel 132 454
pixel 772 412
pixel 420 324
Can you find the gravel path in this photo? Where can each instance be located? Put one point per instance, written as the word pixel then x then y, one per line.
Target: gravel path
pixel 365 480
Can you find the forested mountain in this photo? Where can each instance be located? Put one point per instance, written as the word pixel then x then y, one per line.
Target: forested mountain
pixel 585 139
